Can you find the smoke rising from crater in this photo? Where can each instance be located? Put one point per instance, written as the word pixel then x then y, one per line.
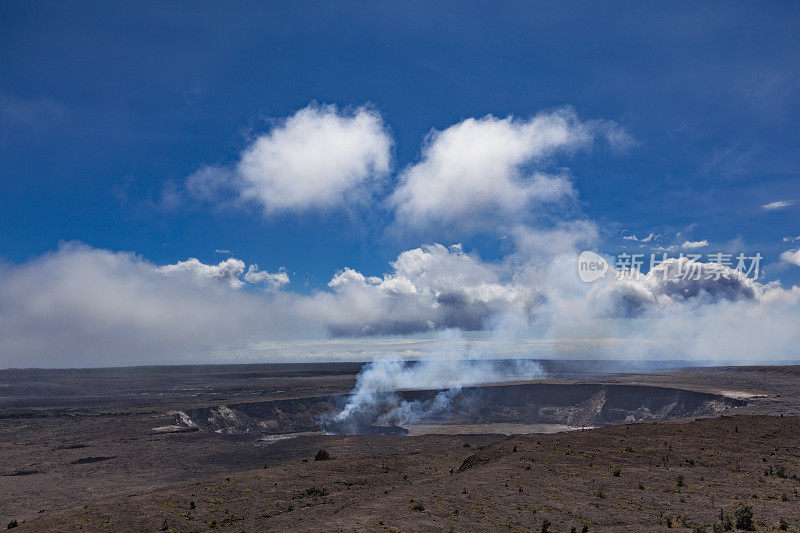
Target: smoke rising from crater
pixel 375 400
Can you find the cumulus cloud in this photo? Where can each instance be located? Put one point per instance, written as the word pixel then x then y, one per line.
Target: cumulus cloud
pixel 84 306
pixel 791 256
pixel 490 168
pixel 691 245
pixel 276 279
pixel 431 287
pixel 779 204
pixel 319 158
pixel 674 281
pixel 227 271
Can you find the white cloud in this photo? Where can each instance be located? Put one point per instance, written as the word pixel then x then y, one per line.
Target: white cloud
pixel 276 279
pixel 430 287
pixel 666 285
pixel 780 204
pixel 320 157
pixel 691 245
pixel 543 245
pixel 82 306
pixel 791 256
pixel 227 271
pixel 230 272
pixel 634 238
pixel 489 169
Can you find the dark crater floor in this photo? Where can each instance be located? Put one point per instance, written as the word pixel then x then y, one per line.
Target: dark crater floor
pixel 574 405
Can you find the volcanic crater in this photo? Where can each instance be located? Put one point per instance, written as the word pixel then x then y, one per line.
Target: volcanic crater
pixel 535 404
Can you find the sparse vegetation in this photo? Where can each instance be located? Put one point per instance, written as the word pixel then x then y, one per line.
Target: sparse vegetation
pixel 680 481
pixel 322 455
pixel 744 518
pixel 12 524
pixel 545 526
pixel 311 492
pixel 727 524
pixel 617 472
pixel 418 507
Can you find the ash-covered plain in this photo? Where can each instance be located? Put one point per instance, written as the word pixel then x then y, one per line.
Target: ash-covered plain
pixel 511 444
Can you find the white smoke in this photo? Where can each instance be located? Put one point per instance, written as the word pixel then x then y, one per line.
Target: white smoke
pixel 376 399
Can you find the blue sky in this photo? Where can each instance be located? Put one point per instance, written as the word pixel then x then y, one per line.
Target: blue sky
pixel 107 107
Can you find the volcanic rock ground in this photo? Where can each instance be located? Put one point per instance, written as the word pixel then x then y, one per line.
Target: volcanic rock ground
pixel 78 450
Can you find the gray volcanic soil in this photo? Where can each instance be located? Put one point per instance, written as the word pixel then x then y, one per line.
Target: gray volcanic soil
pixel 75 438
pixel 639 477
